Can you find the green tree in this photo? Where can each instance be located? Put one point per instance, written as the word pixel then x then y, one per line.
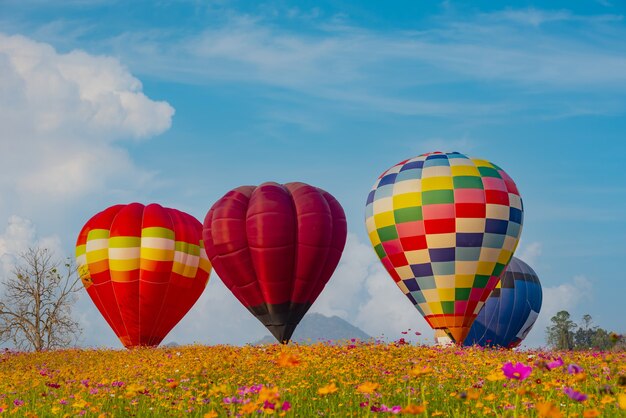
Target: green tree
pixel 601 340
pixel 560 335
pixel 585 334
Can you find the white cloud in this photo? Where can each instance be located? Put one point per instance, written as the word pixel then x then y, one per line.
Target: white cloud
pixel 392 71
pixel 18 236
pixel 217 318
pixel 345 291
pixel 364 294
pixel 568 296
pixel 63 117
pixel 529 253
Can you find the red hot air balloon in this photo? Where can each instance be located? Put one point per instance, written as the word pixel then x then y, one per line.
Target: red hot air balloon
pixel 144 267
pixel 275 247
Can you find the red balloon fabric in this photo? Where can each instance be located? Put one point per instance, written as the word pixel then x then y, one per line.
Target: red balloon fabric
pixel 275 247
pixel 144 267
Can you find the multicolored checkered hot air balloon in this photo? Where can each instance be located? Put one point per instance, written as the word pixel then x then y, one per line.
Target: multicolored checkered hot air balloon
pixel 445 226
pixel 144 267
pixel 510 311
pixel 275 247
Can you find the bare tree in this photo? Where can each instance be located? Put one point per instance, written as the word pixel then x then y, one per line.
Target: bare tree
pixel 36 305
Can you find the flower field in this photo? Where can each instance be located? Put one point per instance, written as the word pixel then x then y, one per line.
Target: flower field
pixel 353 379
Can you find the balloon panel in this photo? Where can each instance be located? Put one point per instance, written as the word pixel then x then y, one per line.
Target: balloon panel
pixel 511 309
pixel 445 226
pixel 275 247
pixel 143 267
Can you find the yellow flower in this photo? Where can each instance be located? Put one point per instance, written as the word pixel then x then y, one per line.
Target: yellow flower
pixel 134 389
pixel 490 397
pixel 211 414
pixel 495 376
pixel 367 387
pixel 80 404
pixel 328 389
pixel 218 390
pixel 621 400
pixel 268 394
pixel 420 371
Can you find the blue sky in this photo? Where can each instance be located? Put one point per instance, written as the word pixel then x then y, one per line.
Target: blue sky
pixel 177 102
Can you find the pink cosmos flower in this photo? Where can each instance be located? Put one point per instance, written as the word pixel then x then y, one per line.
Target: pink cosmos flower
pixel 556 363
pixel 518 372
pixel 286 406
pixel 574 369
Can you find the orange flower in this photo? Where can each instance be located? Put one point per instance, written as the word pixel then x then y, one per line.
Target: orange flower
pixel 473 394
pixel 621 400
pixel 288 360
pixel 367 387
pixel 328 389
pixel 249 408
pixel 413 409
pixel 548 410
pixel 211 414
pixel 591 413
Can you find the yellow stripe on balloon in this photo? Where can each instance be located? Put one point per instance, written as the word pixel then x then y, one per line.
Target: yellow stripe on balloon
pixel 157 254
pixel 116 265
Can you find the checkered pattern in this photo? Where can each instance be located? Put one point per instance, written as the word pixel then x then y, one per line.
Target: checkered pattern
pixel 510 310
pixel 445 226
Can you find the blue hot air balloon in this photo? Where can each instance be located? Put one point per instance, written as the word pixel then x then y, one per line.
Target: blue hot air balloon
pixel 510 311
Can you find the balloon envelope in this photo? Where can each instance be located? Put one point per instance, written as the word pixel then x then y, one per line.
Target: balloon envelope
pixel 275 247
pixel 510 311
pixel 144 267
pixel 445 226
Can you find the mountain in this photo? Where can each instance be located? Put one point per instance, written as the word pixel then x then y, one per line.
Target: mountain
pixel 316 327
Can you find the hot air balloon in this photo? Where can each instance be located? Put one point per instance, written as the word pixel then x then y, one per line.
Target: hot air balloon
pixel 144 267
pixel 510 311
pixel 275 247
pixel 445 226
pixel 442 339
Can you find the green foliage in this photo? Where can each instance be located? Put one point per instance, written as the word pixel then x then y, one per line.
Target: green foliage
pixel 560 335
pixel 564 334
